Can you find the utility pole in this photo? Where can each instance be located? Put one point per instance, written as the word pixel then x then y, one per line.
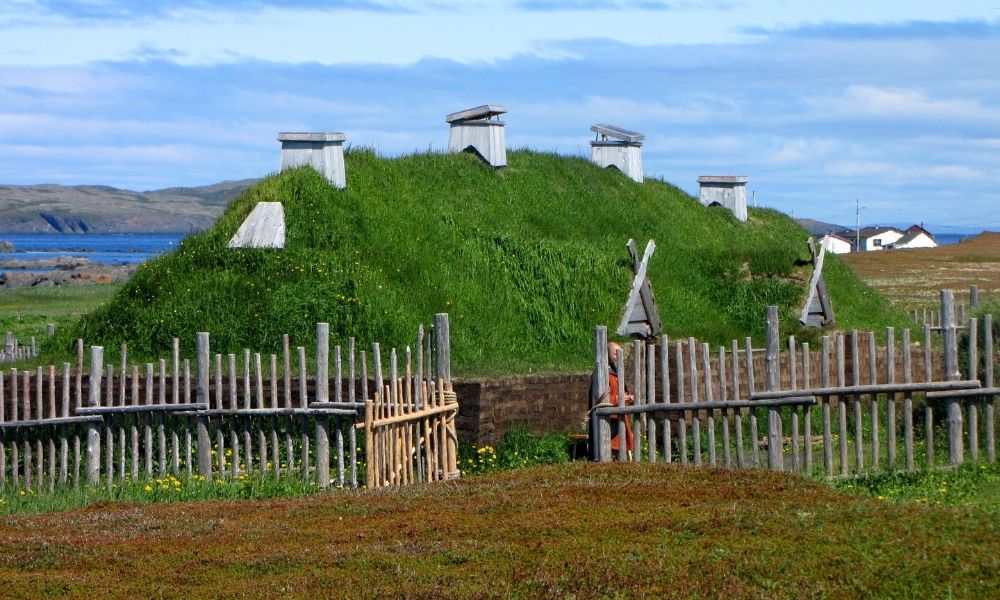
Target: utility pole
pixel 857 228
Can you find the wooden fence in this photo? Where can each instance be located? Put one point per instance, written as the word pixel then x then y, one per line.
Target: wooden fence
pixel 227 417
pixel 932 315
pixel 14 351
pixel 849 407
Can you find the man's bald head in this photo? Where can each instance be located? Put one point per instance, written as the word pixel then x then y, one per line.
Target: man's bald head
pixel 613 349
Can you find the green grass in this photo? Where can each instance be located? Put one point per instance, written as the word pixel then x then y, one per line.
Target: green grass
pixel 970 485
pixel 26 311
pixel 526 260
pixel 167 488
pixel 519 449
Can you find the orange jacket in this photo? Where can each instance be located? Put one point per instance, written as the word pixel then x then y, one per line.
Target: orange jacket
pixel 613 399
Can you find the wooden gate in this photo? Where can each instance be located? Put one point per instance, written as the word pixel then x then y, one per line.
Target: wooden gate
pixel 409 426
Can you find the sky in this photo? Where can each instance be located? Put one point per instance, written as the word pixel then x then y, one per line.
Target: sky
pixel 892 106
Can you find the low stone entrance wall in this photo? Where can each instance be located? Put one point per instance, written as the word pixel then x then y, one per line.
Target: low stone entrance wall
pixel 543 403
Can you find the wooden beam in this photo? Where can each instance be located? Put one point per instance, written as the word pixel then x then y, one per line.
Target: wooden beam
pixel 879 388
pixel 479 112
pixel 715 405
pixel 619 133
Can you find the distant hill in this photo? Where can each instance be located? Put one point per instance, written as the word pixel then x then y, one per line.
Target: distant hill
pixel 527 260
pixel 50 208
pixel 819 227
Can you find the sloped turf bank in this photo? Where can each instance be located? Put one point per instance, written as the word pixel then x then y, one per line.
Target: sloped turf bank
pixel 526 260
pixel 577 530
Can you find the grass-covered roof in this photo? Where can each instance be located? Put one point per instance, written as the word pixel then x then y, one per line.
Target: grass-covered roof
pixel 525 259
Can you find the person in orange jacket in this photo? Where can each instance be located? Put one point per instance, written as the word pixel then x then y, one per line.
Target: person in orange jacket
pixel 610 396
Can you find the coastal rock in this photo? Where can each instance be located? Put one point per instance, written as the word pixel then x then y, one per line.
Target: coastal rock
pixel 82 275
pixel 6 246
pixel 60 262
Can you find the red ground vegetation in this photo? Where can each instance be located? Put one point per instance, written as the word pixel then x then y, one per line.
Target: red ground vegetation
pixel 579 530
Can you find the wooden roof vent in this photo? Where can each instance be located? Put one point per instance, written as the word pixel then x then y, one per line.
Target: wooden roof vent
pixel 480 131
pixel 619 148
pixel 321 151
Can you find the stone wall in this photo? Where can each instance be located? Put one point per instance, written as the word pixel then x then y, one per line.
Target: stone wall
pixel 543 403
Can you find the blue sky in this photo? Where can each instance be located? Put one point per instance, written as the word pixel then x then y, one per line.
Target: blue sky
pixel 895 104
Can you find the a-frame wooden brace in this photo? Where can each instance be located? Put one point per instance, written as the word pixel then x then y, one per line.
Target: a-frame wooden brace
pixel 640 317
pixel 817 311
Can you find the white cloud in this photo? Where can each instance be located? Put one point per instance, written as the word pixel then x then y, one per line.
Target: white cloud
pixel 801 149
pixel 959 172
pixel 857 168
pixel 896 103
pixel 629 113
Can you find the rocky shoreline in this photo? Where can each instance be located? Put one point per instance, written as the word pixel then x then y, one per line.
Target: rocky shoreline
pixel 62 270
pixel 63 263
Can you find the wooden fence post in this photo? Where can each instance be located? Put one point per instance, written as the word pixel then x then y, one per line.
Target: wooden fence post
pixel 637 393
pixel 991 453
pixel 824 366
pixel 381 402
pixel 775 458
pixel 973 296
pixel 859 452
pixel 442 331
pixel 94 399
pixel 948 331
pixel 442 347
pixel 650 399
pixel 706 368
pixel 973 414
pixel 322 362
pixel 202 397
pixel 734 366
pixel 665 386
pixel 370 443
pixel 890 425
pixel 600 428
pixel 322 395
pixel 951 374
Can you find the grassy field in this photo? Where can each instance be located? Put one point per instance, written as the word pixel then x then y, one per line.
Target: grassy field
pixel 26 311
pixel 526 260
pixel 568 531
pixel 912 278
pixel 972 484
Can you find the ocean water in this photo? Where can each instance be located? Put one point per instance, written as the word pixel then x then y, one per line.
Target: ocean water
pixel 953 238
pixel 106 248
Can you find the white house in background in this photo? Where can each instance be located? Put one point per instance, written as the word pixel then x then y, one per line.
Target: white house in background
pixel 836 244
pixel 878 238
pixel 916 237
